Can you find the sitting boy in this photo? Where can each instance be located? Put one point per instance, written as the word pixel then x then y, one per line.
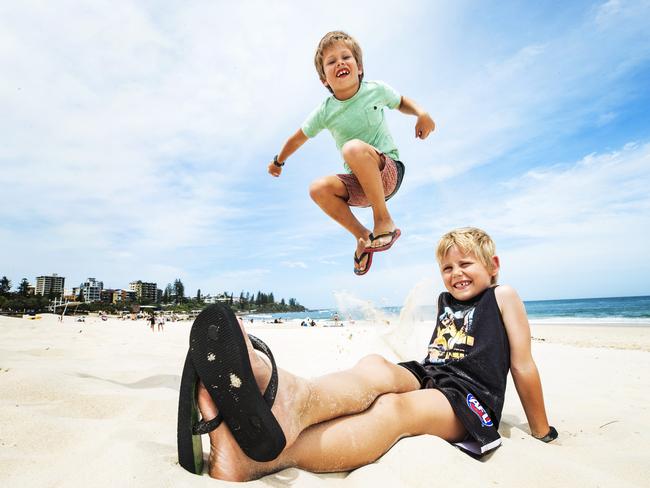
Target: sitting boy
pixel 348 419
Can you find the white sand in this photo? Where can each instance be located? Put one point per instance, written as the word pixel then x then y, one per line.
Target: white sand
pixel 95 404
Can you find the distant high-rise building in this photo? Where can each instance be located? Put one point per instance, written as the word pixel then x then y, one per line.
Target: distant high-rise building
pixel 92 290
pixel 46 285
pixel 144 291
pixel 117 296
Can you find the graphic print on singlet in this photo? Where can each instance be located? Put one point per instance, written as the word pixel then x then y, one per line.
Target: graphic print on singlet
pixel 453 337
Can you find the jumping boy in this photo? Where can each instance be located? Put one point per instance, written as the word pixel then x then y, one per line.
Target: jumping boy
pixel 456 392
pixel 354 114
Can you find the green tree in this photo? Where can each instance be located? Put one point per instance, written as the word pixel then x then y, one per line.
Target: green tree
pixel 23 288
pixel 179 290
pixel 5 285
pixel 167 294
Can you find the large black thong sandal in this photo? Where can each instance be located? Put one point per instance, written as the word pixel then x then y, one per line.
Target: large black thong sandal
pixel 219 358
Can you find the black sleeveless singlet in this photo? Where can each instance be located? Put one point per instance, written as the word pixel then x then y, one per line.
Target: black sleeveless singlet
pixel 468 361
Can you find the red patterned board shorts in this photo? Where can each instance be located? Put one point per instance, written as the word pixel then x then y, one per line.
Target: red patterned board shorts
pixel 391 178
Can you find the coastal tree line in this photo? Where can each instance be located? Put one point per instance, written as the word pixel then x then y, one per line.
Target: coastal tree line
pixel 173 298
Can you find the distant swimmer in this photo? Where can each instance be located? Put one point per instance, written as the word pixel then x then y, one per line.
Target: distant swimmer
pixel 354 115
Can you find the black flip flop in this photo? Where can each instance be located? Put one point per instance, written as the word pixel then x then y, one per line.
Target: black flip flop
pixel 358 259
pixel 219 357
pixel 394 235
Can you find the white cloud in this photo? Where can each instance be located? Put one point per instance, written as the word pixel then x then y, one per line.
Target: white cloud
pixel 294 264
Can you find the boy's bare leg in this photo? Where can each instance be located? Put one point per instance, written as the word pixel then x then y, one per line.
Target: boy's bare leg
pixel 331 195
pixel 366 164
pixel 299 404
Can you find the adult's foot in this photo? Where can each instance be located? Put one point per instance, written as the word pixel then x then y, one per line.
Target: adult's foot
pixel 227 461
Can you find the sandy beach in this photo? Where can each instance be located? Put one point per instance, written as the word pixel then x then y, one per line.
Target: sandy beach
pixel 95 404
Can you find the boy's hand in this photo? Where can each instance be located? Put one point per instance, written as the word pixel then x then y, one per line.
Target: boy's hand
pixel 275 170
pixel 424 126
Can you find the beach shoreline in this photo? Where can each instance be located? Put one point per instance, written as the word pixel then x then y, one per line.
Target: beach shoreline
pixel 95 402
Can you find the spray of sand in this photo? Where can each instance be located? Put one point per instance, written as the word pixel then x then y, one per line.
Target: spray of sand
pixel 401 337
pixel 399 334
pixel 348 304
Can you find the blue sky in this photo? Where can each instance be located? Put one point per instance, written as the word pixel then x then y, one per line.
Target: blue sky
pixel 136 135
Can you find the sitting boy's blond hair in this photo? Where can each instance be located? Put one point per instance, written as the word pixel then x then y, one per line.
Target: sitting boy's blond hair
pixel 330 39
pixel 469 240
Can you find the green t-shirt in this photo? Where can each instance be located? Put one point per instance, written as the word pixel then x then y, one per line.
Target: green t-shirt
pixel 360 117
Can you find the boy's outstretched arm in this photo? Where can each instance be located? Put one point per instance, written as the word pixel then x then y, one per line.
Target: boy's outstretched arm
pixel 522 366
pixel 425 124
pixel 290 147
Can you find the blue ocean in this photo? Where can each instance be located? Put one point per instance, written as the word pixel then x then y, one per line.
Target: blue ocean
pixel 624 310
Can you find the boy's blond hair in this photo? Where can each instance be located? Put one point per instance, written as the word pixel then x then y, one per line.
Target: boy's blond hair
pixel 470 240
pixel 329 40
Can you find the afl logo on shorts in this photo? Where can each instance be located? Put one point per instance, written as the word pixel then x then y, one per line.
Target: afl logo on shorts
pixel 478 409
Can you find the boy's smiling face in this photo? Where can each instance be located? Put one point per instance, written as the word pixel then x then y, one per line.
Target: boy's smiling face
pixel 464 275
pixel 341 70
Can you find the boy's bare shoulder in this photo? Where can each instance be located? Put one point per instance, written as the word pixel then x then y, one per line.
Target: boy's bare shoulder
pixel 506 294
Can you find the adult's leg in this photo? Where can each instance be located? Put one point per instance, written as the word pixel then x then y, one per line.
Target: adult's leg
pixel 366 164
pixel 346 443
pixel 301 403
pixel 331 195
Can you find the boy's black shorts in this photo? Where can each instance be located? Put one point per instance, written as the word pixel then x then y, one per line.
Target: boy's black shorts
pixel 479 422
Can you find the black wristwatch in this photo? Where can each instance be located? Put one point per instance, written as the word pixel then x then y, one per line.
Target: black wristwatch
pixel 276 162
pixel 551 436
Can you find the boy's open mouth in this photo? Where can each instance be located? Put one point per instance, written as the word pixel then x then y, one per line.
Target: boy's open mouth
pixel 462 285
pixel 342 72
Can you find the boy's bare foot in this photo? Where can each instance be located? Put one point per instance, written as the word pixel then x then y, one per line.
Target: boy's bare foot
pixel 227 461
pixel 383 236
pixel 362 263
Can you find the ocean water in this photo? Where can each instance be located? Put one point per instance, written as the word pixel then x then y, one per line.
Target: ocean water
pixel 615 309
pixel 624 310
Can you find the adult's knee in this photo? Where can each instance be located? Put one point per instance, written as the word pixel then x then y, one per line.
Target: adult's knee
pixel 390 404
pixel 374 362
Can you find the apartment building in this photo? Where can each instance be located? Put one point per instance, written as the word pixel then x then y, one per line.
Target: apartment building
pixel 92 290
pixel 144 291
pixel 45 285
pixel 117 296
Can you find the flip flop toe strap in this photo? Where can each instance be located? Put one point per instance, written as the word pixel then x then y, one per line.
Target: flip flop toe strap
pixel 207 426
pixel 272 387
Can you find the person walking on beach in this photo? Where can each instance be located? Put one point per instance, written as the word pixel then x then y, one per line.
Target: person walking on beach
pixel 354 115
pixel 456 392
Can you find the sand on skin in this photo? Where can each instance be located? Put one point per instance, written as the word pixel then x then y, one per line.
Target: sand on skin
pixel 95 403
